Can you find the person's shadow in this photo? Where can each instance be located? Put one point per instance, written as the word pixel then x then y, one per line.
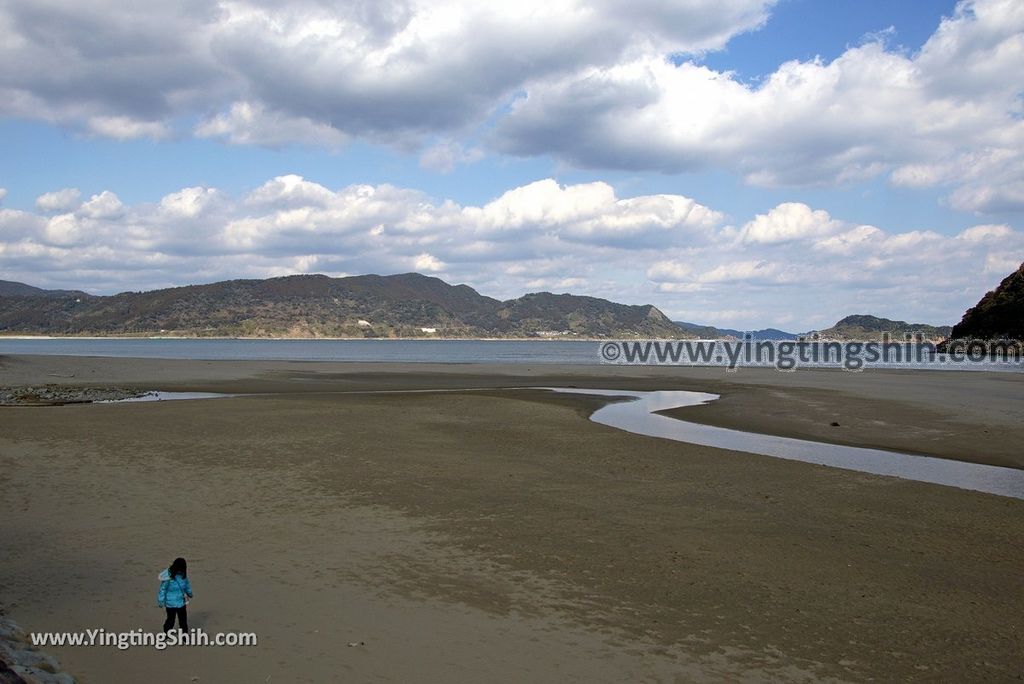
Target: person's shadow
pixel 199 618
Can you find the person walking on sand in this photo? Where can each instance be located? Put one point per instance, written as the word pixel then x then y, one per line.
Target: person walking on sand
pixel 174 594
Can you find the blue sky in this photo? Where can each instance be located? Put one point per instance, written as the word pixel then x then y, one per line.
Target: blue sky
pixel 744 163
pixel 805 29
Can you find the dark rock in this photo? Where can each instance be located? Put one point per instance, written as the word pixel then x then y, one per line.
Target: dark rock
pixel 998 315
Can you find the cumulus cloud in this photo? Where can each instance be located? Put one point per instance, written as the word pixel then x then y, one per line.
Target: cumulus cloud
pixel 790 262
pixel 985 233
pixel 999 191
pixel 921 275
pixel 681 277
pixel 58 200
pixel 846 256
pixel 950 114
pixel 539 216
pixel 788 221
pixel 126 128
pixel 997 265
pixel 753 270
pixel 291 190
pixel 445 155
pixel 292 224
pixel 247 123
pixel 316 72
pixel 426 263
pixel 593 84
pixel 104 205
pixel 190 203
pixel 590 212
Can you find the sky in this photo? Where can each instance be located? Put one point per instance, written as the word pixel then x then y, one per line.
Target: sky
pixel 740 163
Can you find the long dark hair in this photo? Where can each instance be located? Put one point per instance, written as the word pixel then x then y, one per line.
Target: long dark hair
pixel 178 568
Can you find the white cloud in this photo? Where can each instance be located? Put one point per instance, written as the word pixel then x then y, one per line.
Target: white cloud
pixel 950 114
pixel 845 269
pixel 539 233
pixel 312 72
pixel 445 155
pixel 851 240
pixel 248 123
pixel 127 128
pixel 63 230
pixel 426 263
pixel 17 226
pixel 670 271
pixel 292 191
pixel 681 276
pixel 534 218
pixel 190 202
pixel 101 223
pixel 992 196
pixel 105 205
pixel 58 200
pixel 3 193
pixel 590 212
pixel 1001 265
pixel 786 222
pixel 986 232
pixel 742 271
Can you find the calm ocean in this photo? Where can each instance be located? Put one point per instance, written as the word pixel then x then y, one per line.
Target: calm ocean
pixel 436 351
pixel 576 352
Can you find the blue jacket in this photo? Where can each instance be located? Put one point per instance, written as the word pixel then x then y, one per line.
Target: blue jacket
pixel 172 592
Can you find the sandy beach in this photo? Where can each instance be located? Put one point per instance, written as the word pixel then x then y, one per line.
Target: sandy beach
pixel 497 534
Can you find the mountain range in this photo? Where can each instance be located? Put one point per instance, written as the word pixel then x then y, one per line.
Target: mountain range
pixel 415 305
pixel 855 327
pixel 11 289
pixel 711 332
pixel 405 305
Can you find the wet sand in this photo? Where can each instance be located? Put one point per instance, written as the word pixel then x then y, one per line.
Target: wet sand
pixel 501 536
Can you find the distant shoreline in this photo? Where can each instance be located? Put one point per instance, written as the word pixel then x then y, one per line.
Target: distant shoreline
pixel 561 338
pixel 545 338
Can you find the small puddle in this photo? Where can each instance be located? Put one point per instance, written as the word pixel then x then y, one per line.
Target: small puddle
pixel 166 396
pixel 638 416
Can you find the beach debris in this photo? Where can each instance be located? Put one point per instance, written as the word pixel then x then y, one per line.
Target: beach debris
pixel 835 424
pixel 353 644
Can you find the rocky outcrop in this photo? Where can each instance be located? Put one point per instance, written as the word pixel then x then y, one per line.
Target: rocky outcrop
pixel 56 395
pixel 999 315
pixel 23 663
pixel 865 327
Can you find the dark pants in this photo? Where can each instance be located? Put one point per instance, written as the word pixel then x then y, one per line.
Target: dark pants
pixel 182 614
